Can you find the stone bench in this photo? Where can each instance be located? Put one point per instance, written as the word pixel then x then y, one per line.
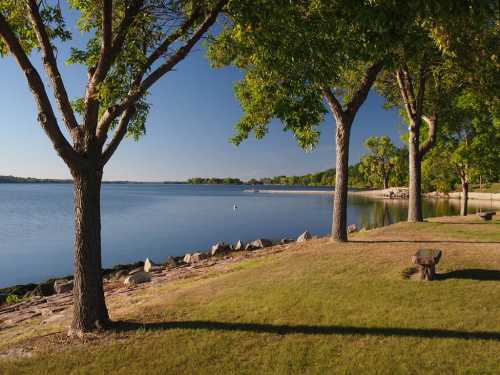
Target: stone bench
pixel 426 260
pixel 486 216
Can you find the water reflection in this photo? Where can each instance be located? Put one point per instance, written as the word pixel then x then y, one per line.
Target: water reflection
pixel 372 213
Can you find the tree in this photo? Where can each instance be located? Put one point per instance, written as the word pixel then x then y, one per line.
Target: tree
pixel 380 161
pixel 132 44
pixel 299 56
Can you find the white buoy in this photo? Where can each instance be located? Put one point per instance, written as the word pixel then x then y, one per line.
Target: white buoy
pixel 235 207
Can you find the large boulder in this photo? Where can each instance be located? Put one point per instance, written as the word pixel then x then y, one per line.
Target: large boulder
pixel 149 266
pixel 220 248
pixel 196 257
pixel 42 290
pixel 63 286
pixel 284 241
pixel 138 278
pixel 306 236
pixel 259 243
pixel 187 258
pixel 172 262
pixel 118 275
pixel 238 246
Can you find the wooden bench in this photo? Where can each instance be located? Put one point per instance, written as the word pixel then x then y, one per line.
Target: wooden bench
pixel 486 216
pixel 426 260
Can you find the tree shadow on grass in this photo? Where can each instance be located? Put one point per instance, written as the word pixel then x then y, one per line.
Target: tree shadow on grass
pixel 471 274
pixel 126 326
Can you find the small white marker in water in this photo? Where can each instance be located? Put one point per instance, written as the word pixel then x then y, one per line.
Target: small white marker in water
pixel 235 207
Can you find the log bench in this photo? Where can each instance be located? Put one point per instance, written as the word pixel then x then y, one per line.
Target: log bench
pixel 486 216
pixel 426 260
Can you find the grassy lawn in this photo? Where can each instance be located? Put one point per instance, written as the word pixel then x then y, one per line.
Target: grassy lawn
pixel 494 187
pixel 318 308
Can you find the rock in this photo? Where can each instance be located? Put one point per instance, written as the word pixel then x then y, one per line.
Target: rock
pixel 138 278
pixel 42 290
pixel 248 246
pixel 196 257
pixel 172 261
pixel 238 246
pixel 260 243
pixel 187 258
pixel 220 248
pixel 352 228
pixel 63 286
pixel 3 298
pixel 306 236
pixel 136 270
pixel 120 274
pixel 148 265
pixel 284 241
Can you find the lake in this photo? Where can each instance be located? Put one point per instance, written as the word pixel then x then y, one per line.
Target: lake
pixel 159 220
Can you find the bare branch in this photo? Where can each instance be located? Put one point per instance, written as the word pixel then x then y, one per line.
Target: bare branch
pixel 421 91
pixel 113 112
pixel 107 58
pixel 406 90
pixel 50 64
pixel 46 115
pixel 120 133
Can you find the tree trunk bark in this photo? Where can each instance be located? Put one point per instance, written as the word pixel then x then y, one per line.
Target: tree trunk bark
pixel 465 197
pixel 339 226
pixel 415 188
pixel 386 182
pixel 90 310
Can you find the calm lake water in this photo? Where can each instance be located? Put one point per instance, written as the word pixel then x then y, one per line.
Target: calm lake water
pixel 155 221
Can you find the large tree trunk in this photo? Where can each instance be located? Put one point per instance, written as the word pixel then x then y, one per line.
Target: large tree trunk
pixel 90 310
pixel 464 198
pixel 339 226
pixel 415 188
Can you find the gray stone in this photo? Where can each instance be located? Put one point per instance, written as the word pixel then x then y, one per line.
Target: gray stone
pixel 138 278
pixel 172 261
pixel 120 274
pixel 42 290
pixel 284 241
pixel 136 270
pixel 220 248
pixel 148 265
pixel 261 243
pixel 63 286
pixel 306 236
pixel 196 257
pixel 238 246
pixel 187 258
pixel 352 228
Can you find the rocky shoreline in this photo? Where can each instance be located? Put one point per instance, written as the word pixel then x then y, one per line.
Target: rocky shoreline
pixel 134 273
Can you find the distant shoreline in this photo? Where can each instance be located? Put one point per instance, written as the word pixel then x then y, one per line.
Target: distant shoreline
pixel 380 194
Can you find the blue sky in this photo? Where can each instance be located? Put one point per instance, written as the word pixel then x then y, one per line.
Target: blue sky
pixel 192 117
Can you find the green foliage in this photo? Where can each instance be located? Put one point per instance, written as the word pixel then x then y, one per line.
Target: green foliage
pixel 13 299
pixel 289 51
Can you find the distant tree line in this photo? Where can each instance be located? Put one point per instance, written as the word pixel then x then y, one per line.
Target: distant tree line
pixel 215 181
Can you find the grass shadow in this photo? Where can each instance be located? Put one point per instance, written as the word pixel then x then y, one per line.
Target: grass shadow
pixel 471 274
pixel 126 326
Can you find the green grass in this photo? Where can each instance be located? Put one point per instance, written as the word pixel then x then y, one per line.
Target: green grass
pixel 320 308
pixel 493 187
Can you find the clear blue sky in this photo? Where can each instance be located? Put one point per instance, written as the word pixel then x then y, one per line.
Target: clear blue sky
pixel 192 117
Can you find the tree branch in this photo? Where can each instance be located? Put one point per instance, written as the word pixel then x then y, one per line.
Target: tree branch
pixel 120 133
pixel 113 112
pixel 46 115
pixel 107 57
pixel 333 103
pixel 421 91
pixel 431 138
pixel 406 90
pixel 366 84
pixel 50 64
